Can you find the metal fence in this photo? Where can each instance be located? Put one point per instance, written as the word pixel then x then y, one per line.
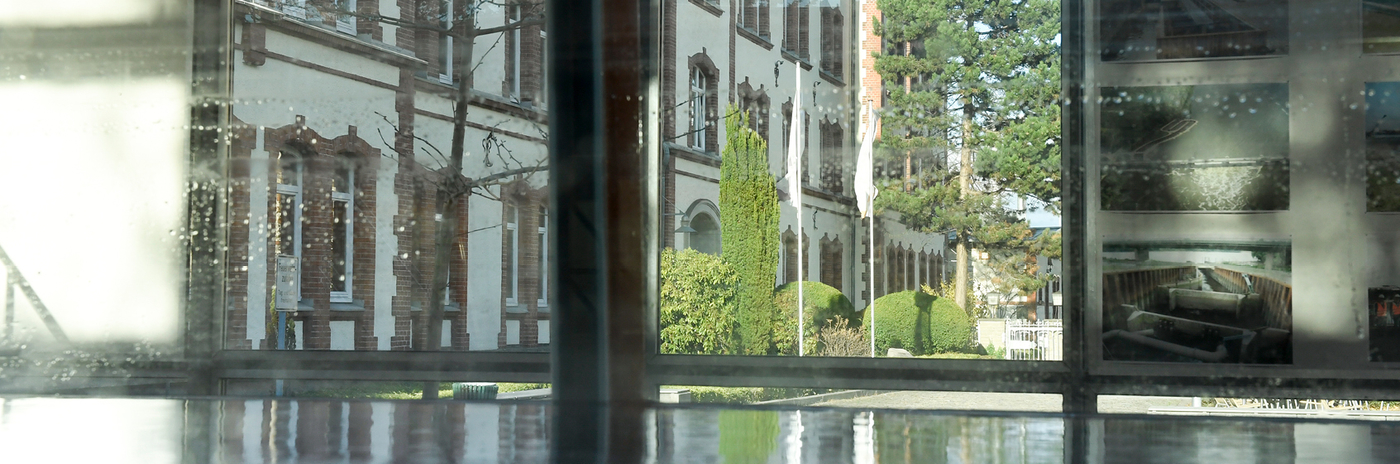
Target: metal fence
pixel 1034 340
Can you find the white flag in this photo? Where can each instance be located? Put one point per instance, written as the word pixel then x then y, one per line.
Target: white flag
pixel 794 155
pixel 865 182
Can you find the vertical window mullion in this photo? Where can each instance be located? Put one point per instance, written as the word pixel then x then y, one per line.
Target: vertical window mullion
pixel 542 269
pixel 512 253
pixel 343 232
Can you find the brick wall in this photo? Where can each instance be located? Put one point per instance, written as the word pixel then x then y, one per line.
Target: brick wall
pixel 401 302
pixel 240 219
pixel 668 117
pixel 319 157
pixel 527 310
pixel 871 87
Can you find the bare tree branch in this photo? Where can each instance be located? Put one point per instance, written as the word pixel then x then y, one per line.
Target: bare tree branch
pixel 523 23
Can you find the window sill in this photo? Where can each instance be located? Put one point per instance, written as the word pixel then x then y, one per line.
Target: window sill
pixel 755 38
pixel 517 308
pixel 792 56
pixel 453 306
pixel 691 154
pixel 832 78
pixel 525 110
pixel 709 7
pixel 352 305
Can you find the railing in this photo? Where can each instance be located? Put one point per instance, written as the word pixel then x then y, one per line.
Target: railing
pixel 1239 43
pixel 1034 340
pixel 1277 295
pixel 14 280
pixel 1137 287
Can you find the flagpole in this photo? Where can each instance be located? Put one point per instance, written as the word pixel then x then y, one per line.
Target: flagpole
pixel 801 321
pixel 872 285
pixel 795 165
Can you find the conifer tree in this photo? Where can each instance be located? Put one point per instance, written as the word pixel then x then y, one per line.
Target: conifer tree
pixel 748 208
pixel 979 80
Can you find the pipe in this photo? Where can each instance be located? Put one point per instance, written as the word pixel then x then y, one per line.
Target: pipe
pixel 1208 356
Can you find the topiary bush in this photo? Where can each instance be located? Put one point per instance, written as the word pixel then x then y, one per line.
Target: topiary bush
pixel 697 303
pixel 919 322
pixel 748 210
pixel 823 304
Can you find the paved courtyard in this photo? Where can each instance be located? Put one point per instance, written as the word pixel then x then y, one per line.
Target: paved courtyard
pixel 971 401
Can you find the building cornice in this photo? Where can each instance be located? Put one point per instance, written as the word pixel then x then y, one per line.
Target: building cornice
pixel 277 20
pixel 484 100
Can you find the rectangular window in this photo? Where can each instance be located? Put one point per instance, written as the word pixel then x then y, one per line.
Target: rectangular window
pixel 513 62
pixel 342 231
pixel 288 215
pixel 445 43
pixel 511 243
pixel 542 268
pixel 544 67
pixel 753 17
pixel 831 41
pixel 344 22
pixel 796 17
pixel 699 101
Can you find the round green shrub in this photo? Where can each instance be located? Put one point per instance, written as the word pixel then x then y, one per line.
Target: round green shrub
pixel 697 303
pixel 822 304
pixel 920 323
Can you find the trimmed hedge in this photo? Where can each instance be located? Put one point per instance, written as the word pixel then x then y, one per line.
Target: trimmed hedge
pixel 698 298
pixel 747 436
pixel 919 322
pixel 822 303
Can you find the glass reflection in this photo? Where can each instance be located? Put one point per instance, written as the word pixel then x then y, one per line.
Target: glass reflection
pixel 320 431
pixel 904 203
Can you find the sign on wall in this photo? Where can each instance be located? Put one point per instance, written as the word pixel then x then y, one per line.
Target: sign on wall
pixel 288 282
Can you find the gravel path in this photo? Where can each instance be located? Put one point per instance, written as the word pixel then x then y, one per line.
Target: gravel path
pixel 972 401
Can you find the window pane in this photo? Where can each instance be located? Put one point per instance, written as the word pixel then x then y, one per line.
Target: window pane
pixel 95 202
pixel 384 198
pixel 342 181
pixel 287 210
pixel 798 267
pixel 340 246
pixel 289 169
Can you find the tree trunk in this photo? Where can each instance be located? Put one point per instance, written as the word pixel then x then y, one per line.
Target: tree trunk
pixel 964 189
pixel 450 190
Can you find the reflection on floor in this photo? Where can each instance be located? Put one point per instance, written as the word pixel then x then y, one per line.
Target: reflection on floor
pixel 308 431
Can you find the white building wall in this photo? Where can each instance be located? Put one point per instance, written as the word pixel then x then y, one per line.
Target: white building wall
pixel 386 247
pixel 484 259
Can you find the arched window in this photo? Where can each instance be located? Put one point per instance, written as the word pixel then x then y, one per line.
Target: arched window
pixel 706 238
pixel 703 103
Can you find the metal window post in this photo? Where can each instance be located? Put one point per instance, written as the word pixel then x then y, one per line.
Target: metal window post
pixel 602 179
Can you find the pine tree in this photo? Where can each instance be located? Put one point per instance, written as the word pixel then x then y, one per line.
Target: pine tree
pixel 980 79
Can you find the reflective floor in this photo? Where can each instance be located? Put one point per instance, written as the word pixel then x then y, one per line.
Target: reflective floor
pixel 311 431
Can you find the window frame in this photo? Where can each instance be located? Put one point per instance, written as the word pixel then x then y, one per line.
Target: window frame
pixel 514 13
pixel 297 193
pixel 348 198
pixel 700 125
pixel 346 23
pixel 1072 377
pixel 511 228
pixel 446 53
pixel 542 270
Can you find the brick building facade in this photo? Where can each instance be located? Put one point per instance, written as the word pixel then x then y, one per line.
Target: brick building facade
pixel 343 123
